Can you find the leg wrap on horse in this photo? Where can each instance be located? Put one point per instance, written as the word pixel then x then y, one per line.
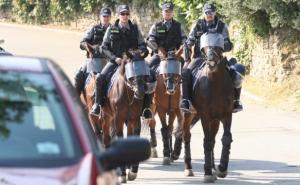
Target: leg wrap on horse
pixel 208 152
pixel 226 141
pixel 177 147
pixel 166 141
pixel 208 145
pixel 153 141
pixel 187 155
pixel 79 79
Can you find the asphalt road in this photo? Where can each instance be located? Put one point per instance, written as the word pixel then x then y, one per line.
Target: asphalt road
pixel 266 147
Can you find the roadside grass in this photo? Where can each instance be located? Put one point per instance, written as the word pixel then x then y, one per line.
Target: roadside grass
pixel 284 95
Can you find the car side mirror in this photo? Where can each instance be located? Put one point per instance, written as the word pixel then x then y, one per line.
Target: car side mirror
pixel 125 152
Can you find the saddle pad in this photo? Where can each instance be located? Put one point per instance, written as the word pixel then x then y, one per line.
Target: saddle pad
pixel 110 80
pixel 196 73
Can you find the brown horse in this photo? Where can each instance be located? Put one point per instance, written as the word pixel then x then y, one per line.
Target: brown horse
pixel 87 97
pixel 166 102
pixel 213 101
pixel 125 102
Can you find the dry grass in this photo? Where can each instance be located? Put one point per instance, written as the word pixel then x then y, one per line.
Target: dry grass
pixel 284 95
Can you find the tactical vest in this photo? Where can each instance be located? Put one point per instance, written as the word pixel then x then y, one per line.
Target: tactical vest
pixel 202 27
pixel 98 34
pixel 123 41
pixel 168 39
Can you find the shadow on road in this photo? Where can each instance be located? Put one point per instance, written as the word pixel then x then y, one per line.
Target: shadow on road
pixel 243 172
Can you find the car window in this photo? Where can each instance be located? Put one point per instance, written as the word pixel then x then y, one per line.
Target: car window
pixel 35 129
pixel 95 143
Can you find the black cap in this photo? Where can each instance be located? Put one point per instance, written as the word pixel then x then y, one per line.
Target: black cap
pixel 167 6
pixel 209 8
pixel 105 12
pixel 123 8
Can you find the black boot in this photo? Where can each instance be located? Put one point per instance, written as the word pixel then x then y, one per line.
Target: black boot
pixel 185 104
pixel 80 78
pixel 99 94
pixel 147 113
pixel 237 105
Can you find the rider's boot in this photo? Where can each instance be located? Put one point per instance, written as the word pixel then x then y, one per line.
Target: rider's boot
pixel 99 94
pixel 237 104
pixel 147 113
pixel 79 79
pixel 186 86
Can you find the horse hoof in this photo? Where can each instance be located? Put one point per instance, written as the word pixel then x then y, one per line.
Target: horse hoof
pixel 166 161
pixel 132 176
pixel 214 174
pixel 188 172
pixel 174 157
pixel 123 179
pixel 221 174
pixel 154 153
pixel 209 178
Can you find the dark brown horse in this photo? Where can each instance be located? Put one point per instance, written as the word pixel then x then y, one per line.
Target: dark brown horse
pixel 166 102
pixel 213 100
pixel 125 102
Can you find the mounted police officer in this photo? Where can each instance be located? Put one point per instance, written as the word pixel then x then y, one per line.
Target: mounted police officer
pixel 166 34
pixel 90 43
pixel 120 37
pixel 210 23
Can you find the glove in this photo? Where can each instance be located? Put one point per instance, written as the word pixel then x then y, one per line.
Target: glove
pixel 118 61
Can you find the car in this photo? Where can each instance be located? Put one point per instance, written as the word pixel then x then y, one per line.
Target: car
pixel 45 136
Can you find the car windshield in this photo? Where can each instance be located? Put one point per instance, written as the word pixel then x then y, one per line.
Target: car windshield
pixel 35 129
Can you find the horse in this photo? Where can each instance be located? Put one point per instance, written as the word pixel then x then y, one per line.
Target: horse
pixel 212 97
pixel 125 102
pixel 166 102
pixel 87 97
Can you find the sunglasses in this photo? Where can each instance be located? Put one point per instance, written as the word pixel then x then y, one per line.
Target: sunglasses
pixel 210 13
pixel 123 14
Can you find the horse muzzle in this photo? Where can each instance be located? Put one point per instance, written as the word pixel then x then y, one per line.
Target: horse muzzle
pixel 170 86
pixel 139 92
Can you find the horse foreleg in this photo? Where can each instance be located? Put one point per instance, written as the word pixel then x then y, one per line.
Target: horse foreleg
pixel 210 129
pixel 119 125
pixel 133 128
pixel 187 119
pixel 153 140
pixel 178 136
pixel 226 142
pixel 106 125
pixel 165 138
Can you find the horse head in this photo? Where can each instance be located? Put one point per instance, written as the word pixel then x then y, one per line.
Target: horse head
pixel 136 72
pixel 212 45
pixel 170 71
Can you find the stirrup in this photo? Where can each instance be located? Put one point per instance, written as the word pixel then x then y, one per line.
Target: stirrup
pixel 237 106
pixel 143 114
pixel 186 106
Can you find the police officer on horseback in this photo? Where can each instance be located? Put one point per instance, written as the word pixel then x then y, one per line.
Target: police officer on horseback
pixel 210 23
pixel 120 37
pixel 167 35
pixel 90 43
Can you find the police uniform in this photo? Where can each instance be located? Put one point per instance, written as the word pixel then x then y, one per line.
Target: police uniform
pixel 167 34
pixel 93 37
pixel 199 28
pixel 117 40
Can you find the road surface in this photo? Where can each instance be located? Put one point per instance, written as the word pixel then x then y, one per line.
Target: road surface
pixel 266 147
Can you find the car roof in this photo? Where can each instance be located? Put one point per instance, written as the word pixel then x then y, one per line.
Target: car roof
pixel 30 64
